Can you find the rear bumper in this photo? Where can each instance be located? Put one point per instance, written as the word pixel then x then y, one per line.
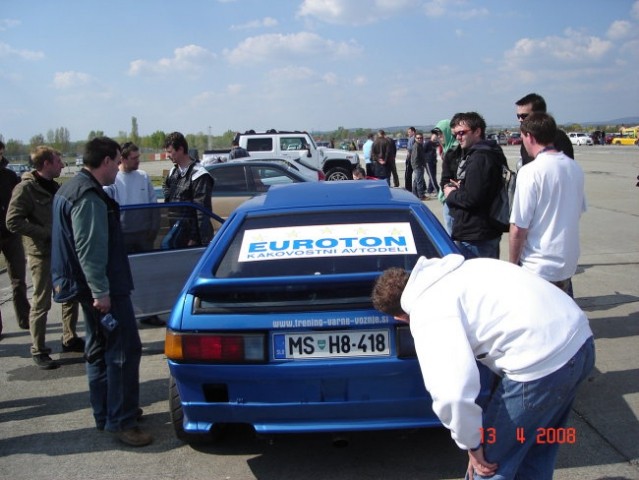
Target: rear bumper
pixel 296 397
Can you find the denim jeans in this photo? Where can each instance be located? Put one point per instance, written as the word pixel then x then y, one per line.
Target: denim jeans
pixel 114 379
pixel 565 286
pixel 527 419
pixel 419 185
pixel 448 219
pixel 483 249
pixel 431 172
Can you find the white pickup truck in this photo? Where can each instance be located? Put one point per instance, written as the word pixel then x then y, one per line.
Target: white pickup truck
pixel 336 164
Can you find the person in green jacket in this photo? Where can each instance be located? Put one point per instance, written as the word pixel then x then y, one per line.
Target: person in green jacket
pixel 30 215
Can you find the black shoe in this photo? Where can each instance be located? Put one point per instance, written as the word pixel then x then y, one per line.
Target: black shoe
pixel 45 362
pixel 75 345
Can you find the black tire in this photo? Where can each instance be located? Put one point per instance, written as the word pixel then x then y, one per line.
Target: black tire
pixel 177 419
pixel 338 173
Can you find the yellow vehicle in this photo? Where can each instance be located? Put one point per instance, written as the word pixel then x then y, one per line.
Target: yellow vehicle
pixel 628 136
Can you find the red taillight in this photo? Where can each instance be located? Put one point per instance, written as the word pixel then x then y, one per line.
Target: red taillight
pixel 247 348
pixel 217 347
pixel 320 176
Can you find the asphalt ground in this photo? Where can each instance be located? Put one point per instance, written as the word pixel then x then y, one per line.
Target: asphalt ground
pixel 47 431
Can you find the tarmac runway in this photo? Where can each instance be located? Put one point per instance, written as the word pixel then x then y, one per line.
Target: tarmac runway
pixel 47 430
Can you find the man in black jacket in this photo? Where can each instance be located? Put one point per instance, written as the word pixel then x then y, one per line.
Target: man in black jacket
pixel 12 248
pixel 536 103
pixel 479 178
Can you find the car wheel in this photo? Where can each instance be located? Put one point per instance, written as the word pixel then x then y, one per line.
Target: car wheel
pixel 177 418
pixel 338 173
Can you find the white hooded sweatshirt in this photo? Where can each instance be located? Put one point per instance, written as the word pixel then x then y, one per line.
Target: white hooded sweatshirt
pixel 514 322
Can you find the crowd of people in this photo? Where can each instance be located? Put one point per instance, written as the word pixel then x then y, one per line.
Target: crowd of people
pixel 78 240
pixel 77 245
pixel 517 318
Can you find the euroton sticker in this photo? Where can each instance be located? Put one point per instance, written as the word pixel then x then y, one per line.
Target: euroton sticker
pixel 327 241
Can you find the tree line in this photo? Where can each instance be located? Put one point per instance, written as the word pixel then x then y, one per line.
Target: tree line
pixel 60 139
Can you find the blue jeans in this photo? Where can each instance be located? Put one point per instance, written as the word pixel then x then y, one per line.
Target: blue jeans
pixel 114 379
pixel 448 219
pixel 419 185
pixel 483 249
pixel 431 171
pixel 528 419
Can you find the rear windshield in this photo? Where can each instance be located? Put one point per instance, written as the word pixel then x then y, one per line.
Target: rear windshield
pixel 325 244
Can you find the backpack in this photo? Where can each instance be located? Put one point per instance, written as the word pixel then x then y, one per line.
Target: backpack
pixel 502 204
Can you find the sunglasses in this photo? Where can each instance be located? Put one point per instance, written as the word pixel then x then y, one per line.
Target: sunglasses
pixel 461 133
pixel 522 116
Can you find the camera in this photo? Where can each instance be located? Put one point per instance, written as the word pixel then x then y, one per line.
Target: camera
pixel 109 322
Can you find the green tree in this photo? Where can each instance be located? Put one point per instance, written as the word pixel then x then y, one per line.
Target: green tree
pixel 225 140
pixel 36 141
pixel 14 148
pixel 94 134
pixel 62 139
pixel 156 140
pixel 135 134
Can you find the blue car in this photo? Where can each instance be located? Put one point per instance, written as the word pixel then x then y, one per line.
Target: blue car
pixel 275 327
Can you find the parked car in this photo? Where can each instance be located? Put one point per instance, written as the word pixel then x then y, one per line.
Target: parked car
pixel 401 143
pixel 79 162
pixel 19 168
pixel 627 136
pixel 275 327
pixel 500 138
pixel 236 181
pixel 335 163
pixel 295 164
pixel 610 137
pixel 579 138
pixel 514 139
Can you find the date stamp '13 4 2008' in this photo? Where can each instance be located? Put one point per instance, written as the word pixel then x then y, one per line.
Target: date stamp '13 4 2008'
pixel 542 435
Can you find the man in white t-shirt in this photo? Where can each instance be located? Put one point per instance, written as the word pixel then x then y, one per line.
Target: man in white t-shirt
pixel 139 227
pixel 133 186
pixel 548 203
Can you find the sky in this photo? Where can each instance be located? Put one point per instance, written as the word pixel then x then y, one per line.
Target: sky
pixel 216 65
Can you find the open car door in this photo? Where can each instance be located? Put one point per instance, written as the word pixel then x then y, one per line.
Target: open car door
pixel 161 261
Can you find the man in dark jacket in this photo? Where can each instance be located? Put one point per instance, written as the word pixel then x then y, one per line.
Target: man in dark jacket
pixel 11 247
pixel 187 182
pixel 536 103
pixel 392 153
pixel 479 178
pixel 418 164
pixel 380 157
pixel 89 263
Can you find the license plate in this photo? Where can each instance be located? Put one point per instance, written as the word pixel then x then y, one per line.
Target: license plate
pixel 356 343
